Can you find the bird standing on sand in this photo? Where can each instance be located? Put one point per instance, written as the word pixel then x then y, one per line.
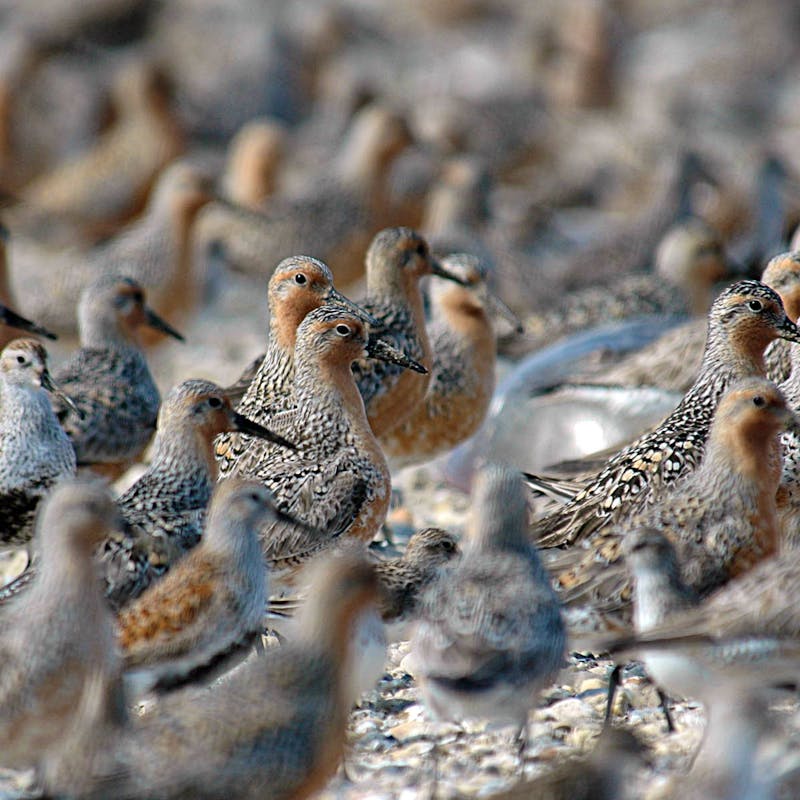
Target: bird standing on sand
pixel 491 634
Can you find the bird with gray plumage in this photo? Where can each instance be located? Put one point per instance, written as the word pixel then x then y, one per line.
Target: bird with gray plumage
pixel 59 637
pixel 491 633
pixel 401 579
pixel 165 509
pixel 35 453
pixel 109 377
pixel 207 612
pixel 674 359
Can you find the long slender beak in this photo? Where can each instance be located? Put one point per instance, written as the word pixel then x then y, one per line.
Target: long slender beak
pixel 245 425
pixel 438 270
pixel 378 348
pixel 788 330
pixel 154 321
pixel 498 306
pixel 337 298
pixel 14 320
pixel 51 386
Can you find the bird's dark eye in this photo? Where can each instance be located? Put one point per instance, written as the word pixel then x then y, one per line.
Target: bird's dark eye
pixel 20 359
pixel 421 249
pixel 342 330
pixel 138 297
pixel 254 496
pixel 448 546
pixel 300 279
pixel 755 305
pixel 215 402
pixel 759 401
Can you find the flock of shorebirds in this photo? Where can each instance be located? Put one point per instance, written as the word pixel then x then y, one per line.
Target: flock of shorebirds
pixel 167 589
pixel 205 632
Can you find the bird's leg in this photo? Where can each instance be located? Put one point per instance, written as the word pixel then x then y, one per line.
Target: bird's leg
pixel 614 680
pixel 665 708
pixel 521 740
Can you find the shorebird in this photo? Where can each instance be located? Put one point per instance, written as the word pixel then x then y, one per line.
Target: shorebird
pixel 402 580
pixel 208 610
pixel 722 516
pixel 274 729
pixel 59 637
pixel 299 285
pixel 464 351
pixel 396 261
pixel 109 378
pixel 35 453
pixel 337 481
pixel 491 634
pixel 674 359
pixel 333 216
pixel 166 507
pixel 744 319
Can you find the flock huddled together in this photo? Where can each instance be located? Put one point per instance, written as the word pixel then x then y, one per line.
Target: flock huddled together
pixel 458 213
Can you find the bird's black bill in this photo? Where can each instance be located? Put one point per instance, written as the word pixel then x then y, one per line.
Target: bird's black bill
pixel 14 320
pixel 51 386
pixel 377 348
pixel 154 321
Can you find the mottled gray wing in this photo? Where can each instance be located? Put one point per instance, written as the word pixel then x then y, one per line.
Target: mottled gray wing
pixel 326 497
